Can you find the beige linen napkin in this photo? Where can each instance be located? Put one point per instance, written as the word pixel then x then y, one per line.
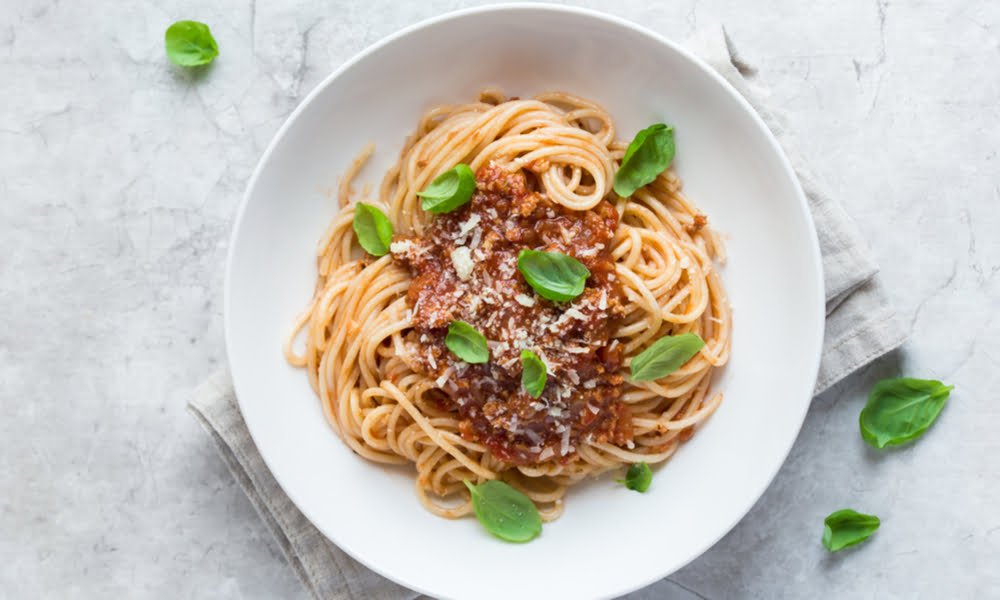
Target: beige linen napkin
pixel 860 326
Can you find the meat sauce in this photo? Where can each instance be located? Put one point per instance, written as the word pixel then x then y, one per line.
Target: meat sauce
pixel 464 267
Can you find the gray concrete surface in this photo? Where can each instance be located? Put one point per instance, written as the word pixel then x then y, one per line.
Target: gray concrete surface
pixel 119 177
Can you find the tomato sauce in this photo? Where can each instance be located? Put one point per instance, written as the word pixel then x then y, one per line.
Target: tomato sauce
pixel 464 267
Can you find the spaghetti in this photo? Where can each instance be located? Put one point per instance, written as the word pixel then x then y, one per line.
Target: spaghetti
pixel 374 330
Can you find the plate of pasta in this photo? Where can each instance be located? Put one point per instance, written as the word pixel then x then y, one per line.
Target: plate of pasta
pixel 524 301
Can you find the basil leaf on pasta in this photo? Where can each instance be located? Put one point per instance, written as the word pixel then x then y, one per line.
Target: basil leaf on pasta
pixel 190 44
pixel 504 511
pixel 553 275
pixel 649 154
pixel 373 229
pixel 665 356
pixel 900 410
pixel 449 190
pixel 638 477
pixel 467 343
pixel 533 373
pixel 846 527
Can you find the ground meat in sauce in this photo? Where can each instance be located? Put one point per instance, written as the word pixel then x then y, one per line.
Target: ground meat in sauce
pixel 464 267
pixel 699 222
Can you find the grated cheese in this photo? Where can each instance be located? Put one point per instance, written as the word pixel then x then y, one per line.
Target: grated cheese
pixel 469 224
pixel 401 246
pixel 462 262
pixel 524 300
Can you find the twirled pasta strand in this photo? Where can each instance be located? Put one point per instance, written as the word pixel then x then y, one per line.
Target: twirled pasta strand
pixel 352 329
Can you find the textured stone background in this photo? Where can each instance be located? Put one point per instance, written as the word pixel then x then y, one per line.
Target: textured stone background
pixel 120 174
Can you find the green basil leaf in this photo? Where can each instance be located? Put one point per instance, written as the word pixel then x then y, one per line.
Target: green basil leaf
pixel 190 44
pixel 504 511
pixel 449 190
pixel 555 276
pixel 846 527
pixel 900 410
pixel 533 373
pixel 467 343
pixel 665 356
pixel 649 154
pixel 373 228
pixel 638 477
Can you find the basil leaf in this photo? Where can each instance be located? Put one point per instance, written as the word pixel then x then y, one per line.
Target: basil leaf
pixel 504 511
pixel 665 356
pixel 555 276
pixel 449 190
pixel 190 44
pixel 900 410
pixel 846 527
pixel 373 228
pixel 638 477
pixel 533 373
pixel 649 154
pixel 467 343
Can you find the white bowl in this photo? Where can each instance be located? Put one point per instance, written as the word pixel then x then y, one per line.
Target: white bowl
pixel 609 540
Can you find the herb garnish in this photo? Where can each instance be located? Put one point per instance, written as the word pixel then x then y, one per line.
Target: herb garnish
pixel 449 190
pixel 649 154
pixel 504 511
pixel 373 229
pixel 190 44
pixel 665 356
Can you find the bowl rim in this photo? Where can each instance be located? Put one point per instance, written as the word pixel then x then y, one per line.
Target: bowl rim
pixel 534 7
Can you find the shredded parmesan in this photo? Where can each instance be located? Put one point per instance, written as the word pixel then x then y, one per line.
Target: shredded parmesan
pixel 401 246
pixel 462 262
pixel 469 225
pixel 524 300
pixel 513 423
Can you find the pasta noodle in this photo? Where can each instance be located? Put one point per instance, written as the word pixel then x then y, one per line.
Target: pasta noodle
pixel 358 329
